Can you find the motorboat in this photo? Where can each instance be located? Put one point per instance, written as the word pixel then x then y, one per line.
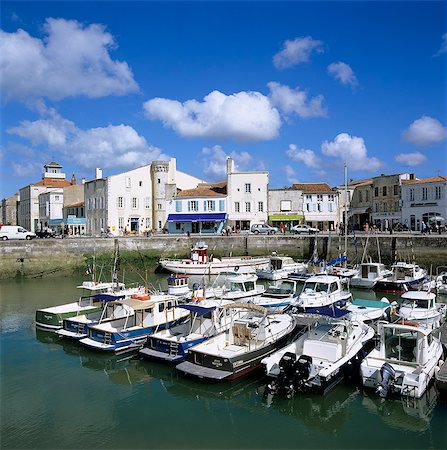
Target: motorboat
pixel 277 297
pixel 321 290
pixel 251 336
pixel 404 362
pixel 51 318
pixel 320 357
pixel 371 310
pixel 280 267
pixel 237 287
pixel 441 283
pixel 201 263
pixel 144 317
pixel 172 344
pixel 406 276
pixel 421 307
pixel 369 274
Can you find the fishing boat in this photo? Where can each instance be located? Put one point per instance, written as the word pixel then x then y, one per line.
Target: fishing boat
pixel 51 318
pixel 144 317
pixel 371 310
pixel 280 267
pixel 200 263
pixel 172 344
pixel 421 307
pixel 320 357
pixel 321 290
pixel 251 336
pixel 369 274
pixel 278 296
pixel 405 276
pixel 404 362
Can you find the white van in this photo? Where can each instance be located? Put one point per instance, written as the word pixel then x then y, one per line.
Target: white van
pixel 15 232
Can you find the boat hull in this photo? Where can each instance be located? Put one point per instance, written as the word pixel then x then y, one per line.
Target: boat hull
pixel 398 286
pixel 52 321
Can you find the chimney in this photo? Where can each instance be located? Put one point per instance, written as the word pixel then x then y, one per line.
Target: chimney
pixel 230 165
pixel 98 173
pixel 83 180
pixel 73 179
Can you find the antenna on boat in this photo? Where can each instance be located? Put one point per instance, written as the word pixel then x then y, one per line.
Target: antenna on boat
pixel 346 214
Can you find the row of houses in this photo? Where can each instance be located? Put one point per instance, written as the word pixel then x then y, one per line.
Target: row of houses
pixel 158 197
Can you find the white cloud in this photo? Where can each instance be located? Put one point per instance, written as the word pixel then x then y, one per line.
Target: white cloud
pixel 410 159
pixel 290 174
pixel 303 155
pixel 27 169
pixel 425 131
pixel 443 48
pixel 297 51
pixel 343 73
pixel 214 161
pixel 114 146
pixel 295 101
pixel 352 150
pixel 241 116
pixel 72 60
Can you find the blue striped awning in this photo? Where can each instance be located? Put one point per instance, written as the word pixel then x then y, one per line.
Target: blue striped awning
pixel 198 217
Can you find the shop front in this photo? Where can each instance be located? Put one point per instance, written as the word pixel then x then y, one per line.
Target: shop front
pixel 287 220
pixel 200 223
pixel 72 226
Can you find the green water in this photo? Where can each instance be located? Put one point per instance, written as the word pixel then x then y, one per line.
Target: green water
pixel 55 394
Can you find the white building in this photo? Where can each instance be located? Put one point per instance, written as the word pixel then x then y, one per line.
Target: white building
pixel 285 206
pixel 51 205
pixel 28 210
pixel 133 201
pixel 247 197
pixel 423 199
pixel 320 205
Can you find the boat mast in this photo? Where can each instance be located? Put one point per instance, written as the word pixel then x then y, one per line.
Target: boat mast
pixel 346 214
pixel 115 263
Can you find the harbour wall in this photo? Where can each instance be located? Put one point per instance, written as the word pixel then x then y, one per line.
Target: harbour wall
pixel 47 257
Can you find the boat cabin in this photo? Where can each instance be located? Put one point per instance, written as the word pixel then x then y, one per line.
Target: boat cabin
pixel 419 299
pixel 241 283
pixel 199 253
pixel 279 262
pixel 403 271
pixel 283 288
pixel 322 283
pixel 371 271
pixel 178 284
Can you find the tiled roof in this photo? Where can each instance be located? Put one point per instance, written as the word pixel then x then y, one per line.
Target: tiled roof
pixel 436 179
pixel 312 188
pixel 52 182
pixel 364 182
pixel 199 192
pixel 75 204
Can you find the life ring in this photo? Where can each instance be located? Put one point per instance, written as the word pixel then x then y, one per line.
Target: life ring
pixel 198 299
pixel 236 268
pixel 140 296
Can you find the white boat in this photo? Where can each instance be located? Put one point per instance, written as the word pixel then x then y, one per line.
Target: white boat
pixel 237 287
pixel 441 283
pixel 320 358
pixel 404 362
pixel 251 336
pixel 280 267
pixel 178 285
pixel 421 307
pixel 278 296
pixel 405 276
pixel 321 290
pixel 370 310
pixel 369 274
pixel 201 264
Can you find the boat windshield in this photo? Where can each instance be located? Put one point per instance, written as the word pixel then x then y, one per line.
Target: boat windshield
pixel 315 287
pixel 284 287
pixel 424 304
pixel 233 287
pixel 401 344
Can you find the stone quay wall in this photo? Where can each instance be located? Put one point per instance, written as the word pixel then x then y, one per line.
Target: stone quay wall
pixel 45 257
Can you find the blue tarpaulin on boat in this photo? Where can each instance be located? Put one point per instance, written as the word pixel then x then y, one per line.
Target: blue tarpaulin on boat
pixel 328 311
pixel 197 309
pixel 107 297
pixel 340 259
pixel 199 217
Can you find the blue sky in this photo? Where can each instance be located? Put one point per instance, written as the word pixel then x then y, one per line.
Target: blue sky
pixel 295 88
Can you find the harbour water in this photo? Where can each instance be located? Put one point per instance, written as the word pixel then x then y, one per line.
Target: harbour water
pixel 56 394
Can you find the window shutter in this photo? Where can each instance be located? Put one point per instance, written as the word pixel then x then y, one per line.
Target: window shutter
pixel 189 206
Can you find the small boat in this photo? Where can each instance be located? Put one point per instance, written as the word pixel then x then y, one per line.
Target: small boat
pixel 201 263
pixel 172 344
pixel 251 336
pixel 420 307
pixel 51 318
pixel 278 296
pixel 144 317
pixel 320 357
pixel 405 276
pixel 404 362
pixel 280 267
pixel 369 274
pixel 441 283
pixel 321 290
pixel 239 286
pixel 371 310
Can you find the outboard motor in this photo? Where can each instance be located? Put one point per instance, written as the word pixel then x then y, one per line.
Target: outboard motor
pixel 303 368
pixel 286 372
pixel 388 375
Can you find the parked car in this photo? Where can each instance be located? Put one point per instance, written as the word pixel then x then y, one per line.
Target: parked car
pixel 299 229
pixel 263 228
pixel 45 234
pixel 15 232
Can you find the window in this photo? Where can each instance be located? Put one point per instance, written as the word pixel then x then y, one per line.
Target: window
pixel 120 202
pixel 159 206
pixel 366 196
pixel 319 198
pixel 56 198
pixel 178 206
pixel 319 207
pixel 247 207
pixel 221 205
pixel 424 193
pixel 128 182
pixel 396 205
pixel 376 192
pixel 360 197
pixel 286 205
pixel 178 226
pixel 331 197
pixel 308 196
pixel 437 192
pixel 385 207
pixel 120 223
pixel 147 202
pixel 158 181
pixel 148 223
pixel 193 205
pixel 134 203
pixel 314 207
pixel 396 189
pixel 247 187
pixel 412 195
pixel 308 207
pixel 331 207
pixel 211 205
pixel 237 207
pixel 261 206
pixel 140 183
pixel 161 307
pixel 159 224
pixel 384 191
pixel 376 207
